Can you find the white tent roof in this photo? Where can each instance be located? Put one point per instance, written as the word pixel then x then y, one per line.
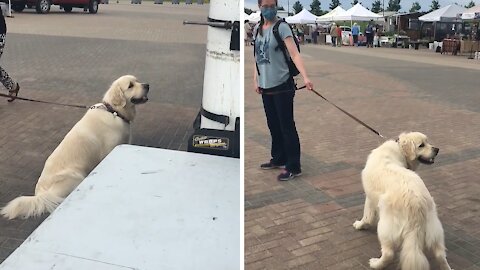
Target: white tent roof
pixel 254 17
pixel 356 13
pixel 446 13
pixel 328 17
pixel 303 16
pixel 471 13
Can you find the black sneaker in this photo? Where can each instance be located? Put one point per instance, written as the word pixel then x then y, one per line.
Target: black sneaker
pixel 286 175
pixel 270 165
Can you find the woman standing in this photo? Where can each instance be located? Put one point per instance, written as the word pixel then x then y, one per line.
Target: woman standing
pixel 339 36
pixel 6 80
pixel 334 34
pixel 272 79
pixel 369 33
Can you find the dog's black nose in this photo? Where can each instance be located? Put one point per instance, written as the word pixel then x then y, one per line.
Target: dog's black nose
pixel 146 86
pixel 435 149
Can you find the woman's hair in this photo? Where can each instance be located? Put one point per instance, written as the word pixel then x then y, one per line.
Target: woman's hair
pixel 262 20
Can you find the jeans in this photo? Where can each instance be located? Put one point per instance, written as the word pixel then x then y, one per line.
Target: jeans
pixel 285 142
pixel 334 41
pixel 355 40
pixel 5 79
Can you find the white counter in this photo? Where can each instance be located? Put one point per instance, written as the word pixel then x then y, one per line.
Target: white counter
pixel 143 208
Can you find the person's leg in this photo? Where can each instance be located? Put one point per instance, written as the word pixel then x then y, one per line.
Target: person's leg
pixel 291 142
pixel 6 80
pixel 334 41
pixel 273 122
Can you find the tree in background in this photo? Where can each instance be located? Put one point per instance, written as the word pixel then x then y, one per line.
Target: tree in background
pixel 334 4
pixel 376 6
pixel 297 7
pixel 354 2
pixel 248 11
pixel 415 7
pixel 394 5
pixel 280 8
pixel 315 8
pixel 435 5
pixel 470 5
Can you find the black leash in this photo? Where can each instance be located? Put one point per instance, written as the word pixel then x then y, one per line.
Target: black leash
pixel 342 110
pixel 46 102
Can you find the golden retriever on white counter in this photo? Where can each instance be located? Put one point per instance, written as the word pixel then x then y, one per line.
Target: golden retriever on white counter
pixel 104 126
pixel 407 215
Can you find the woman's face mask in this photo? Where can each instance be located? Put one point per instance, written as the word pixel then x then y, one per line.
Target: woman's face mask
pixel 269 13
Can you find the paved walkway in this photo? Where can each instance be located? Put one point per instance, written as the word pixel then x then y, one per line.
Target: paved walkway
pixel 74 58
pixel 307 223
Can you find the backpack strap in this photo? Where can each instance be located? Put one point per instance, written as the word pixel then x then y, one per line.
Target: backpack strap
pixel 281 43
pixel 255 34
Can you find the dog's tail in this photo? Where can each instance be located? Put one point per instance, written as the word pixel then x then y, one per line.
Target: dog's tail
pixel 31 206
pixel 412 256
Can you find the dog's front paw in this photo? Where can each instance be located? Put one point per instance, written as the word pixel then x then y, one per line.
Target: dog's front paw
pixel 375 263
pixel 358 225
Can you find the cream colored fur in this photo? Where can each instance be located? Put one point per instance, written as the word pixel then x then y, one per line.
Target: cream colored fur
pixel 84 146
pixel 407 215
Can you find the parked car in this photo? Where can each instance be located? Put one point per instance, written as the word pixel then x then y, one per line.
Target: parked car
pixel 346 32
pixel 43 6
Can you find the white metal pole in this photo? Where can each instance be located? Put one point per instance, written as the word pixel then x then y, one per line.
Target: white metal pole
pixel 9 9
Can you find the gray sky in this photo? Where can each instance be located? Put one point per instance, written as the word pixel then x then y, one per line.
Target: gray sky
pixel 346 4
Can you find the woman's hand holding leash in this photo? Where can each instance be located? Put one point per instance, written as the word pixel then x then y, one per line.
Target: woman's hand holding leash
pixel 308 83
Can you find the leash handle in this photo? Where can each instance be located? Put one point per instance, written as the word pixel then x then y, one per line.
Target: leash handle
pixel 46 102
pixel 283 91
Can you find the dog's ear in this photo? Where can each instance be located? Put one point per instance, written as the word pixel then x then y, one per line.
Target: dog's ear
pixel 115 96
pixel 408 147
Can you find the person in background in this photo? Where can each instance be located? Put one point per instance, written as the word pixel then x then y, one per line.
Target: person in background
pixel 301 34
pixel 12 86
pixel 248 32
pixel 369 33
pixel 334 34
pixel 339 36
pixel 355 33
pixel 315 34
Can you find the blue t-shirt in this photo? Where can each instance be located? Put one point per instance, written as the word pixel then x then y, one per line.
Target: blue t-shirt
pixel 271 63
pixel 355 30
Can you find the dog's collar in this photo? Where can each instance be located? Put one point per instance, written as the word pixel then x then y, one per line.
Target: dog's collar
pixel 110 109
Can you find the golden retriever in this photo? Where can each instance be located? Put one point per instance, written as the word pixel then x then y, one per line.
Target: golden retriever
pixel 104 126
pixel 407 215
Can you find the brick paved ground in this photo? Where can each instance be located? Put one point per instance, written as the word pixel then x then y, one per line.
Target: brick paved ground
pixel 73 58
pixel 307 223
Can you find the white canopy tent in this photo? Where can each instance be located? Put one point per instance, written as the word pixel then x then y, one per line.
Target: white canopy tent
pixel 328 17
pixel 302 17
pixel 254 17
pixel 447 13
pixel 356 13
pixel 471 13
